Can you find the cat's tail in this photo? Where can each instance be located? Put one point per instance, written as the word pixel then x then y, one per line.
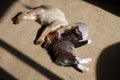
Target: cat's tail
pixel 26 6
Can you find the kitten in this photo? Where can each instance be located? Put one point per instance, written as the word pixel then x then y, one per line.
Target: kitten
pixel 73 36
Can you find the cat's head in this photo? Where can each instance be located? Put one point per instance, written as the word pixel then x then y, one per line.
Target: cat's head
pixel 79 29
pixel 77 33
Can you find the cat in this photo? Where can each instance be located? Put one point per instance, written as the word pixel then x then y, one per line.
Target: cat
pixel 73 36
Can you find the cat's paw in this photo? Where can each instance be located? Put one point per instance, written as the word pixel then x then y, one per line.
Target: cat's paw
pixel 85 60
pixel 82 68
pixel 89 41
pixel 39 41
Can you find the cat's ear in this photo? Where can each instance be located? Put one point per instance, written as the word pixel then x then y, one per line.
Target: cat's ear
pixel 76 29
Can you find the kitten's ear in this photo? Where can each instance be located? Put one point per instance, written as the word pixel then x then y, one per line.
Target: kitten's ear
pixel 70 27
pixel 76 29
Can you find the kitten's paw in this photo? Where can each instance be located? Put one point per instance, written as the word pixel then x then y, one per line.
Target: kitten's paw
pixel 85 60
pixel 37 42
pixel 89 41
pixel 82 68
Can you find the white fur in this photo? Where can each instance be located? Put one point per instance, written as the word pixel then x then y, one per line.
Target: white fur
pixel 81 40
pixel 32 17
pixel 81 67
pixel 89 41
pixel 82 61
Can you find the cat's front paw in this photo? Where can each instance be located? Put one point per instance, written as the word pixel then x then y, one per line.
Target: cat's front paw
pixel 39 41
pixel 89 41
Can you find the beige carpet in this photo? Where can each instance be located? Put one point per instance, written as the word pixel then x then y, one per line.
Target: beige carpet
pixel 21 59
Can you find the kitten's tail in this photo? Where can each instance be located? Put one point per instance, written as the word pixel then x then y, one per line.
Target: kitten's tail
pixel 26 6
